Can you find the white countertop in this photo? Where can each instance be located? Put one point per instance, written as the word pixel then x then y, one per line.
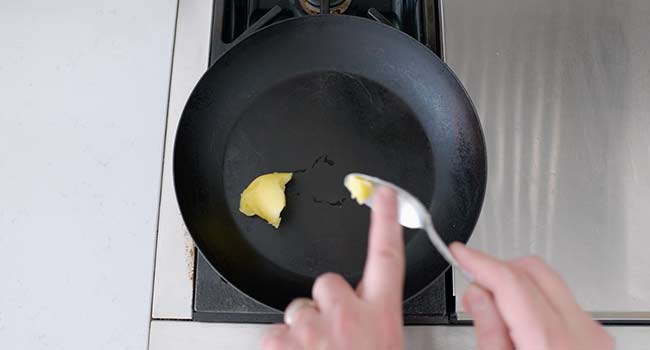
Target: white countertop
pixel 83 85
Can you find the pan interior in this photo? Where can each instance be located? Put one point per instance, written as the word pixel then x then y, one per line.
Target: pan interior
pixel 321 126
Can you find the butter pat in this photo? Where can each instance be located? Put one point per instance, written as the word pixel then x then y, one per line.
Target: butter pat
pixel 265 198
pixel 359 188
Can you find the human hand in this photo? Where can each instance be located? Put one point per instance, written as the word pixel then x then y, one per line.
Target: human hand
pixel 340 317
pixel 523 304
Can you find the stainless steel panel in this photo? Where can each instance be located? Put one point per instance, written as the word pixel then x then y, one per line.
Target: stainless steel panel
pixel 563 92
pixel 172 335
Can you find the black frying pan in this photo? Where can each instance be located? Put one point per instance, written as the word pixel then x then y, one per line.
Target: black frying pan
pixel 323 96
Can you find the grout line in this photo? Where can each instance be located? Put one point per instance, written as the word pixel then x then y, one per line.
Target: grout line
pixel 441 30
pixel 162 169
pixel 170 320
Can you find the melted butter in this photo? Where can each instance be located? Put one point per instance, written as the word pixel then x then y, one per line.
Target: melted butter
pixel 359 188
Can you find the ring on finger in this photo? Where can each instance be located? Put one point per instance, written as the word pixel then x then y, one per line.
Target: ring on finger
pixel 295 307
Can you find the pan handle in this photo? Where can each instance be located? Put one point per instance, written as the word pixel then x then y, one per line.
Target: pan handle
pixel 377 16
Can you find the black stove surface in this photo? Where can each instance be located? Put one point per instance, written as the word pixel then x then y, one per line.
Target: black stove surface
pixel 418 18
pixel 214 299
pixel 217 301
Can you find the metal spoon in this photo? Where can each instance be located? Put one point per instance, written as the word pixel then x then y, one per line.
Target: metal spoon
pixel 412 214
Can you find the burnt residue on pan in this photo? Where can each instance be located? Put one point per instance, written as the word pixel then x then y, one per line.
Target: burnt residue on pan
pixel 328 161
pixel 313 165
pixel 337 203
pixel 323 159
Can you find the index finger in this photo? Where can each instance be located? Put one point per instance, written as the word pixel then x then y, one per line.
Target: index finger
pixel 383 275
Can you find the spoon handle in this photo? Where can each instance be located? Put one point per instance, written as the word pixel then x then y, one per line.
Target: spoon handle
pixel 444 251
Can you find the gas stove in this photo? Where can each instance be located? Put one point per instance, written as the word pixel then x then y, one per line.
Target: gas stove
pixel 418 18
pixel 215 300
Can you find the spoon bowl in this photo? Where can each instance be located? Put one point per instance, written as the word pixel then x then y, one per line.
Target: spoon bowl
pixel 411 214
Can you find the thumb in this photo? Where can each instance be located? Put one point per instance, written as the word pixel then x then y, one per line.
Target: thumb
pixel 491 330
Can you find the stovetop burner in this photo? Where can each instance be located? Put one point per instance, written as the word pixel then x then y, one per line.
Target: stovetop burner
pixel 313 7
pixel 418 18
pixel 214 299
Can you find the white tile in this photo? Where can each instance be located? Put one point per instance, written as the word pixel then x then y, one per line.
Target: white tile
pixel 172 297
pixel 168 335
pixel 171 335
